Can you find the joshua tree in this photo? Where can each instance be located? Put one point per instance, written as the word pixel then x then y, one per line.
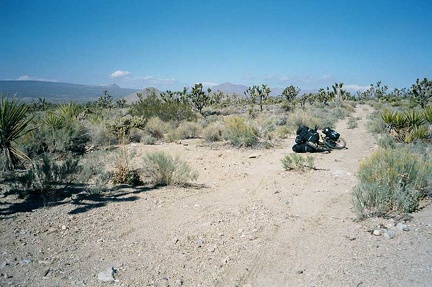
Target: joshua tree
pixel 338 92
pixel 199 98
pixel 422 92
pixel 290 93
pixel 258 93
pixel 13 125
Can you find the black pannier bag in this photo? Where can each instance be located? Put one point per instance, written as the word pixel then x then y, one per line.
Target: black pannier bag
pixel 299 139
pixel 307 134
pixel 331 134
pixel 302 148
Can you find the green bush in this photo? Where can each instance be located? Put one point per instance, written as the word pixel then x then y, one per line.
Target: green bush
pixel 48 178
pixel 352 123
pixel 157 128
pixel 162 169
pixel 213 132
pixel 240 133
pixel 152 106
pixel 188 130
pixel 392 181
pixel 298 162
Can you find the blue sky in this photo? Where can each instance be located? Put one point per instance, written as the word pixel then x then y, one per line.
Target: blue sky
pixel 310 44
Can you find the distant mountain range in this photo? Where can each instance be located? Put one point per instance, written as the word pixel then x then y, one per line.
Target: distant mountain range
pixel 60 92
pixel 63 92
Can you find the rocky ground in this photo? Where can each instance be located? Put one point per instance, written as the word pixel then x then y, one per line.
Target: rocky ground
pixel 245 222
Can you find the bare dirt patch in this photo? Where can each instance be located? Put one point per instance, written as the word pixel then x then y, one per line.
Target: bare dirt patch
pixel 246 222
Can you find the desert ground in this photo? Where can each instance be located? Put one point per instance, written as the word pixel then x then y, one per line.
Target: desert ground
pixel 244 222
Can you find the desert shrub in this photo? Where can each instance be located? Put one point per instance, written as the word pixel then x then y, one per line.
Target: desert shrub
pixel 148 140
pixel 298 162
pixel 152 106
pixel 387 141
pixel 300 117
pixel 123 172
pixel 48 178
pixel 162 169
pixel 157 128
pixel 93 173
pixel 352 123
pixel 56 134
pixel 100 135
pixel 122 126
pixel 392 181
pixel 375 123
pixel 213 132
pixel 239 132
pixel 282 132
pixel 188 130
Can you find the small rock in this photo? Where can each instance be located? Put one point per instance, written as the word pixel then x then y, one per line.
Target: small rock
pixel 377 232
pixel 25 261
pixel 402 226
pixel 389 234
pixel 63 227
pixel 299 272
pixel 4 264
pixel 253 156
pixel 107 276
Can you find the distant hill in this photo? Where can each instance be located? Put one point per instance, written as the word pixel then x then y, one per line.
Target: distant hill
pixel 228 88
pixel 145 93
pixel 60 92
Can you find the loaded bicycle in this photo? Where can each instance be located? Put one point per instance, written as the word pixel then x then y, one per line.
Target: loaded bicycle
pixel 309 140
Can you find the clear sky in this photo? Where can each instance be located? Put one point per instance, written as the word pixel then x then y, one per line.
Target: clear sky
pixel 310 44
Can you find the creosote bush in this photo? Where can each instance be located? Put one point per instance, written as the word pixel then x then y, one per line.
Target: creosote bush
pixel 392 181
pixel 297 162
pixel 162 169
pixel 239 132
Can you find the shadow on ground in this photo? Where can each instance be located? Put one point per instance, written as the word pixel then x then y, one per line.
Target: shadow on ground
pixel 13 202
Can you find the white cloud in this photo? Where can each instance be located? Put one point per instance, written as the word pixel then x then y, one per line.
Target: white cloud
pixel 356 87
pixel 120 74
pixel 208 84
pixel 29 78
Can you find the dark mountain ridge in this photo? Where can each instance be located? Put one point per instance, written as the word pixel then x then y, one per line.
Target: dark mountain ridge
pixel 60 92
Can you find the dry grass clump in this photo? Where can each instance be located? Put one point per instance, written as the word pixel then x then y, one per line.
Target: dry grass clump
pixel 297 162
pixel 162 169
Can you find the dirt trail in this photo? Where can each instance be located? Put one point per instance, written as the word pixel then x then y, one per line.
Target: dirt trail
pixel 246 223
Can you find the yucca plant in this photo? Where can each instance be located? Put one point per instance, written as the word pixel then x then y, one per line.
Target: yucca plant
pixel 414 119
pixel 13 125
pixel 427 113
pixel 69 110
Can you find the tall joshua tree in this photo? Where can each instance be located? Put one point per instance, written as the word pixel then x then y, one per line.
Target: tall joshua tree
pixel 256 93
pixel 13 125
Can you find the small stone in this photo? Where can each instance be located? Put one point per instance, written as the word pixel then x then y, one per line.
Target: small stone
pixel 25 261
pixel 63 227
pixel 4 264
pixel 51 230
pixel 389 234
pixel 402 227
pixel 299 272
pixel 107 276
pixel 377 232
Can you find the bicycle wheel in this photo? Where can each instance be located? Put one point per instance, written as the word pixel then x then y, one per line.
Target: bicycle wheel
pixel 339 144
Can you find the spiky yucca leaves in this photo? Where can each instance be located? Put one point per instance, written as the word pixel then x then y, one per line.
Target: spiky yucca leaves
pixel 13 125
pixel 427 113
pixel 408 126
pixel 69 110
